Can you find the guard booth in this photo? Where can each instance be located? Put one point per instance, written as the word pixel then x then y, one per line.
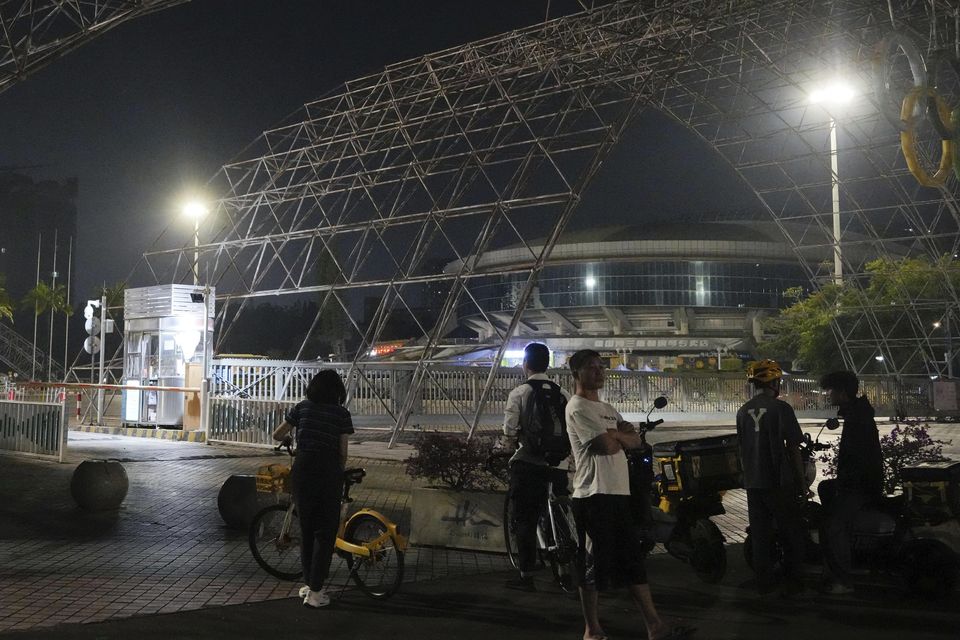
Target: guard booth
pixel 168 342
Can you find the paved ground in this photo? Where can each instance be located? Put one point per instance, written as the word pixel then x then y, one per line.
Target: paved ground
pixel 167 549
pixel 168 552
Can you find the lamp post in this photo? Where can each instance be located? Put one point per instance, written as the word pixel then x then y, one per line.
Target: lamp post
pixel 837 93
pixel 197 211
pixel 948 354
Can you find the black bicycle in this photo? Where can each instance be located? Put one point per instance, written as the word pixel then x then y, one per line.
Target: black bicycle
pixel 556 531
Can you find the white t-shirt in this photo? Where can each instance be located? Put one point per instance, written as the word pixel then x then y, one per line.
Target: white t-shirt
pixel 595 473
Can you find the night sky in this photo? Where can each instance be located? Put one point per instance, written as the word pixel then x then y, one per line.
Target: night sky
pixel 149 112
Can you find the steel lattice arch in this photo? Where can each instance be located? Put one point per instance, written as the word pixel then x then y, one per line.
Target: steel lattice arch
pixel 492 144
pixel 36 32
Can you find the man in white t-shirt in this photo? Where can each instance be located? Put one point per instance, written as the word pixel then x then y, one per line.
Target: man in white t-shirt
pixel 609 556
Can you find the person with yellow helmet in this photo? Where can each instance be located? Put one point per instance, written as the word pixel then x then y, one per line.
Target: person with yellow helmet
pixel 770 438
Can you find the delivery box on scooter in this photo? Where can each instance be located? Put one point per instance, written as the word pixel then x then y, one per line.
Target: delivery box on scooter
pixel 933 485
pixel 699 466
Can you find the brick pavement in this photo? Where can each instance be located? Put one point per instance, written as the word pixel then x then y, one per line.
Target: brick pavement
pixel 167 549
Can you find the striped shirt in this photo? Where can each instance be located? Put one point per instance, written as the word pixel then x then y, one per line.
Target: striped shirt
pixel 319 426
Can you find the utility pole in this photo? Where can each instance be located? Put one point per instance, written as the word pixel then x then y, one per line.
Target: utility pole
pixel 103 351
pixel 66 325
pixel 948 356
pixel 52 310
pixel 33 366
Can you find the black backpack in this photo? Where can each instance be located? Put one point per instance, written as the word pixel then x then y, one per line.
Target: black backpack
pixel 543 425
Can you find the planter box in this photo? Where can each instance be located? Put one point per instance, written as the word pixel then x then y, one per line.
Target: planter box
pixel 457 519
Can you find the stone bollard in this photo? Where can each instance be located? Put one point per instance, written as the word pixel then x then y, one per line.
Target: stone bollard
pixel 239 501
pixel 99 485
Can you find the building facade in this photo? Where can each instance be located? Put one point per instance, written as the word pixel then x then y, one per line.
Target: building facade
pixel 660 296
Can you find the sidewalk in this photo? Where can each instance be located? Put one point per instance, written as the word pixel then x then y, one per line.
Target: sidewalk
pixel 480 608
pixel 166 551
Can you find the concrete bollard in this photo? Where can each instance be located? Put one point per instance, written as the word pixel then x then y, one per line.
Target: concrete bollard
pixel 99 485
pixel 239 501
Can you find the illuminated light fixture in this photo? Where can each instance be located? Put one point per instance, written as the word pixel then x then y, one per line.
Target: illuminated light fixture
pixel 878 358
pixel 385 348
pixel 195 210
pixel 837 92
pixel 936 325
pixel 513 353
pixel 591 282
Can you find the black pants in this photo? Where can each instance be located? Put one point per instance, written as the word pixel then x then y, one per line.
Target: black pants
pixel 528 496
pixel 608 556
pixel 774 512
pixel 317 490
pixel 841 506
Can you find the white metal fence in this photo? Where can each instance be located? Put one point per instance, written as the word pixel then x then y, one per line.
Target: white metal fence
pixel 33 428
pixel 250 398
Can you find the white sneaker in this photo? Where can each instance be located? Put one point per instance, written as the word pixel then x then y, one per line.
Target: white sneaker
pixel 316 599
pixel 304 590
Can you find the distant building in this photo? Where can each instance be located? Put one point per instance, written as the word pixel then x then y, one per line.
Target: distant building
pixel 658 296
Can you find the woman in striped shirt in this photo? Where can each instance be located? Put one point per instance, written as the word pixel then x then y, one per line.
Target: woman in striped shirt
pixel 321 426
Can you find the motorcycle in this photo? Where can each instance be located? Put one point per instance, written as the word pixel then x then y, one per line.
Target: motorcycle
pixel 676 487
pixel 913 538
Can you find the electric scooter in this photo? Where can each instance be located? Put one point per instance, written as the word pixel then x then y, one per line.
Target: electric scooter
pixel 675 487
pixel 912 538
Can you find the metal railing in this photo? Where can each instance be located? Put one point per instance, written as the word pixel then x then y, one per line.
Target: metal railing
pixel 33 428
pixel 450 395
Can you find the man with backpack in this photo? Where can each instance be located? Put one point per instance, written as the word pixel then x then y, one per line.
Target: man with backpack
pixel 534 419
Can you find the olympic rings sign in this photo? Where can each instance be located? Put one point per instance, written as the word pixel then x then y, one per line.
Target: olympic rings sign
pixel 921 100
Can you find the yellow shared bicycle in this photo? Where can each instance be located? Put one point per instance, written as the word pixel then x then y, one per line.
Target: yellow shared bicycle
pixel 368 541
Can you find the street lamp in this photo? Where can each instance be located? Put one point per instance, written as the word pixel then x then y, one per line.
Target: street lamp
pixel 836 93
pixel 948 354
pixel 196 210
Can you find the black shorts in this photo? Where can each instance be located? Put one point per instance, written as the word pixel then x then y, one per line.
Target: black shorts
pixel 609 555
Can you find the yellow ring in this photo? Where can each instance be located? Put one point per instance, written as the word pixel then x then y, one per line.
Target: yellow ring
pixel 908 142
pixel 955 123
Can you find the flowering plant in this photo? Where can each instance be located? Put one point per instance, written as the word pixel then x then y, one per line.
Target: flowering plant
pixel 454 461
pixel 904 446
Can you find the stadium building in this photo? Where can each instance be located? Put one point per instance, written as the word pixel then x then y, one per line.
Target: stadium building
pixel 652 297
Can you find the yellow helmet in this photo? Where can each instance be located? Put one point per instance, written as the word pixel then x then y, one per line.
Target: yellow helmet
pixel 764 371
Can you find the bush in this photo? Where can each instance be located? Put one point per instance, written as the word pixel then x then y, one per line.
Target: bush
pixel 904 446
pixel 455 462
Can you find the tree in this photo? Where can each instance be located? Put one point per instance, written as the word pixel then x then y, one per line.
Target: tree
pixel 802 331
pixel 42 299
pixel 805 331
pixel 114 294
pixel 6 303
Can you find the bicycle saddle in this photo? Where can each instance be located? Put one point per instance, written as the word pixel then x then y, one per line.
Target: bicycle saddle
pixel 354 476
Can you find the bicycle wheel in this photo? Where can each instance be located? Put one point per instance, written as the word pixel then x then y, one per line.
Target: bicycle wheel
pixel 563 557
pixel 509 535
pixel 378 575
pixel 277 551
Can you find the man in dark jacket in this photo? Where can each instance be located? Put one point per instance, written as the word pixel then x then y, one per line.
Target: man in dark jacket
pixel 859 478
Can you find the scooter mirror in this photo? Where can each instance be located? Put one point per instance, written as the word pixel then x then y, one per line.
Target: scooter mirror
pixel 660 402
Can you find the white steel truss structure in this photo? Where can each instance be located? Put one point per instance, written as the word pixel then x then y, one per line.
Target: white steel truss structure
pixel 33 33
pixel 371 194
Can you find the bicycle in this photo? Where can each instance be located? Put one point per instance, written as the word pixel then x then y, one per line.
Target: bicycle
pixel 556 530
pixel 368 541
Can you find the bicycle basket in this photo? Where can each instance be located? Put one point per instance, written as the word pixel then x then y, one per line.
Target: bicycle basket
pixel 273 478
